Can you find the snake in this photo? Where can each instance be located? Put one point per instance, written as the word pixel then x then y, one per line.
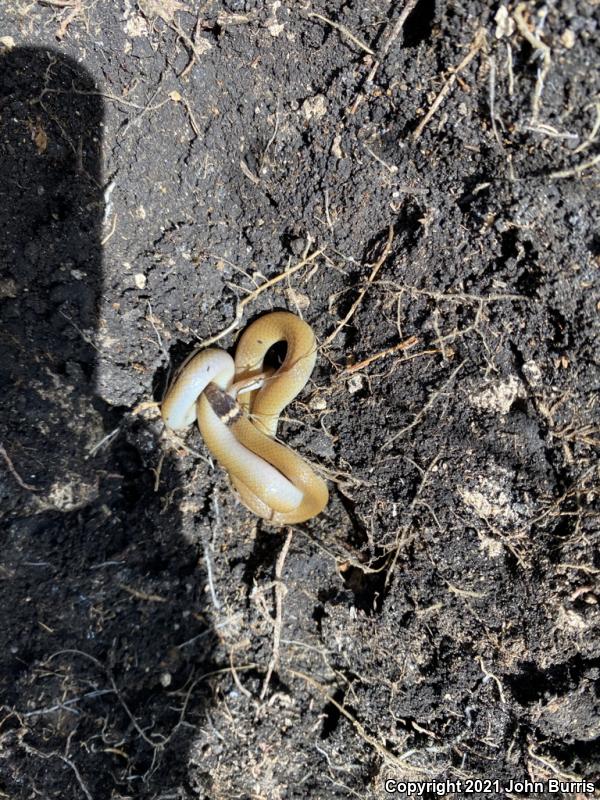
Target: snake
pixel 237 403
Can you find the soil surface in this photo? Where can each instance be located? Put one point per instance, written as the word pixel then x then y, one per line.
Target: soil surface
pixel 417 180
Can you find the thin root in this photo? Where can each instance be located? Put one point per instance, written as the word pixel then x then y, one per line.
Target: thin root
pixel 405 345
pixel 478 42
pixel 344 31
pixel 239 311
pixel 280 592
pixel 376 267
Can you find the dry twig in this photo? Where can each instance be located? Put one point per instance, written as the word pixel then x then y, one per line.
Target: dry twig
pixel 376 267
pixel 344 31
pixel 395 32
pixel 139 595
pixel 478 43
pixel 14 472
pixel 411 342
pixel 239 311
pixel 539 46
pixel 280 591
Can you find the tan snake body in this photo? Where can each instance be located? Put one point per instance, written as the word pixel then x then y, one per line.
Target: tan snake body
pixel 270 478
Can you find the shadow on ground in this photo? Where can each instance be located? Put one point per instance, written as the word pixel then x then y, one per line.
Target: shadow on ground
pixel 103 631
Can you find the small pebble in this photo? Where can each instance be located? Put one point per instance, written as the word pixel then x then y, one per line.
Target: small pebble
pixel 317 403
pixel 8 287
pixel 314 107
pixel 165 679
pixel 296 298
pixel 356 383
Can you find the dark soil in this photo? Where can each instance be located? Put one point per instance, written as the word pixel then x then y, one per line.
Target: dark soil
pixel 440 620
